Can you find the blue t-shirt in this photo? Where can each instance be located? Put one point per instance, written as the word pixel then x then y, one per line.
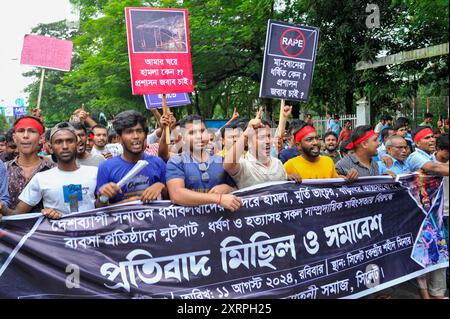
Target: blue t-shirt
pixel 335 127
pixel 185 167
pixel 4 195
pixel 418 159
pixel 287 154
pixel 116 167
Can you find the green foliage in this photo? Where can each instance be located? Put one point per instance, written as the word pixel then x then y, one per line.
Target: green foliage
pixel 3 124
pixel 227 42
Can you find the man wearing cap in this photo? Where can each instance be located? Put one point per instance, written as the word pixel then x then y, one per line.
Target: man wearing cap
pixel 28 136
pixel 422 158
pixel 364 143
pixel 310 164
pixel 63 189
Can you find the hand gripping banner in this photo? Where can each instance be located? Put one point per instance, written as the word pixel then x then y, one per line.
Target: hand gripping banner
pixel 320 239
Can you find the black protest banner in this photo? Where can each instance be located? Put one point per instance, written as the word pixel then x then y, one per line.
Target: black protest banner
pixel 289 59
pixel 320 239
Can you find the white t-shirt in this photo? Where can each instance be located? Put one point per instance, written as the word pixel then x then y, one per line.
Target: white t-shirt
pixel 64 191
pixel 115 149
pixel 252 172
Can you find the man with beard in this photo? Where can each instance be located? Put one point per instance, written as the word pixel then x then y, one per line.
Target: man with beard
pixel 331 147
pixel 397 151
pixel 148 184
pixel 310 164
pixel 100 143
pixel 28 136
pixel 423 159
pixel 83 156
pixel 63 189
pixel 258 166
pixel 195 177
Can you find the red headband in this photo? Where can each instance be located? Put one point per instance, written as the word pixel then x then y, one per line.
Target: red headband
pixel 29 122
pixel 422 134
pixel 365 137
pixel 303 132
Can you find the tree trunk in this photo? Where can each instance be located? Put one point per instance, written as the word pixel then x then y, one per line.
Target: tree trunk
pixel 349 101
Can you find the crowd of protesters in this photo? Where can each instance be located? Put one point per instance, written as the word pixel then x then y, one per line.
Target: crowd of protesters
pixel 76 165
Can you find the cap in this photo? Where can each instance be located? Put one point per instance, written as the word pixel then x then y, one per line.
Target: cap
pixel 63 126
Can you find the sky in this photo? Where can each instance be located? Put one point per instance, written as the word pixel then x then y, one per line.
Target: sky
pixel 17 18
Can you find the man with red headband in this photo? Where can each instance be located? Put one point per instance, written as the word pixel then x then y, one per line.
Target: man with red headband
pixel 364 143
pixel 64 189
pixel 422 158
pixel 310 164
pixel 28 136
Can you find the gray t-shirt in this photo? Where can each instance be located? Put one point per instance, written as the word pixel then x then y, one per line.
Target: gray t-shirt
pixel 91 160
pixel 351 161
pixel 253 172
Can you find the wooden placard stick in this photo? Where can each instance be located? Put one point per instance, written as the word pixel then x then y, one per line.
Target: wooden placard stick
pixel 282 120
pixel 166 112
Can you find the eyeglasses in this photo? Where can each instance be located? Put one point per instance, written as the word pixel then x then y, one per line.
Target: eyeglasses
pixel 203 168
pixel 401 147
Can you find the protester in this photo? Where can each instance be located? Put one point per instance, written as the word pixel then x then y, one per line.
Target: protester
pixel 28 136
pixel 310 164
pixel 63 189
pixel 388 122
pixel 4 195
pixel 364 144
pixel 385 134
pixel 195 177
pixel 89 141
pixel 83 156
pixel 331 147
pixel 229 135
pixel 113 138
pixel 2 143
pixel 427 120
pixel 442 156
pixel 346 132
pixel 433 284
pixel 11 148
pixel 149 183
pixel 336 125
pixel 329 120
pixel 397 151
pixel 422 158
pixel 100 143
pixel 309 120
pixel 292 151
pixel 380 124
pixel 258 166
